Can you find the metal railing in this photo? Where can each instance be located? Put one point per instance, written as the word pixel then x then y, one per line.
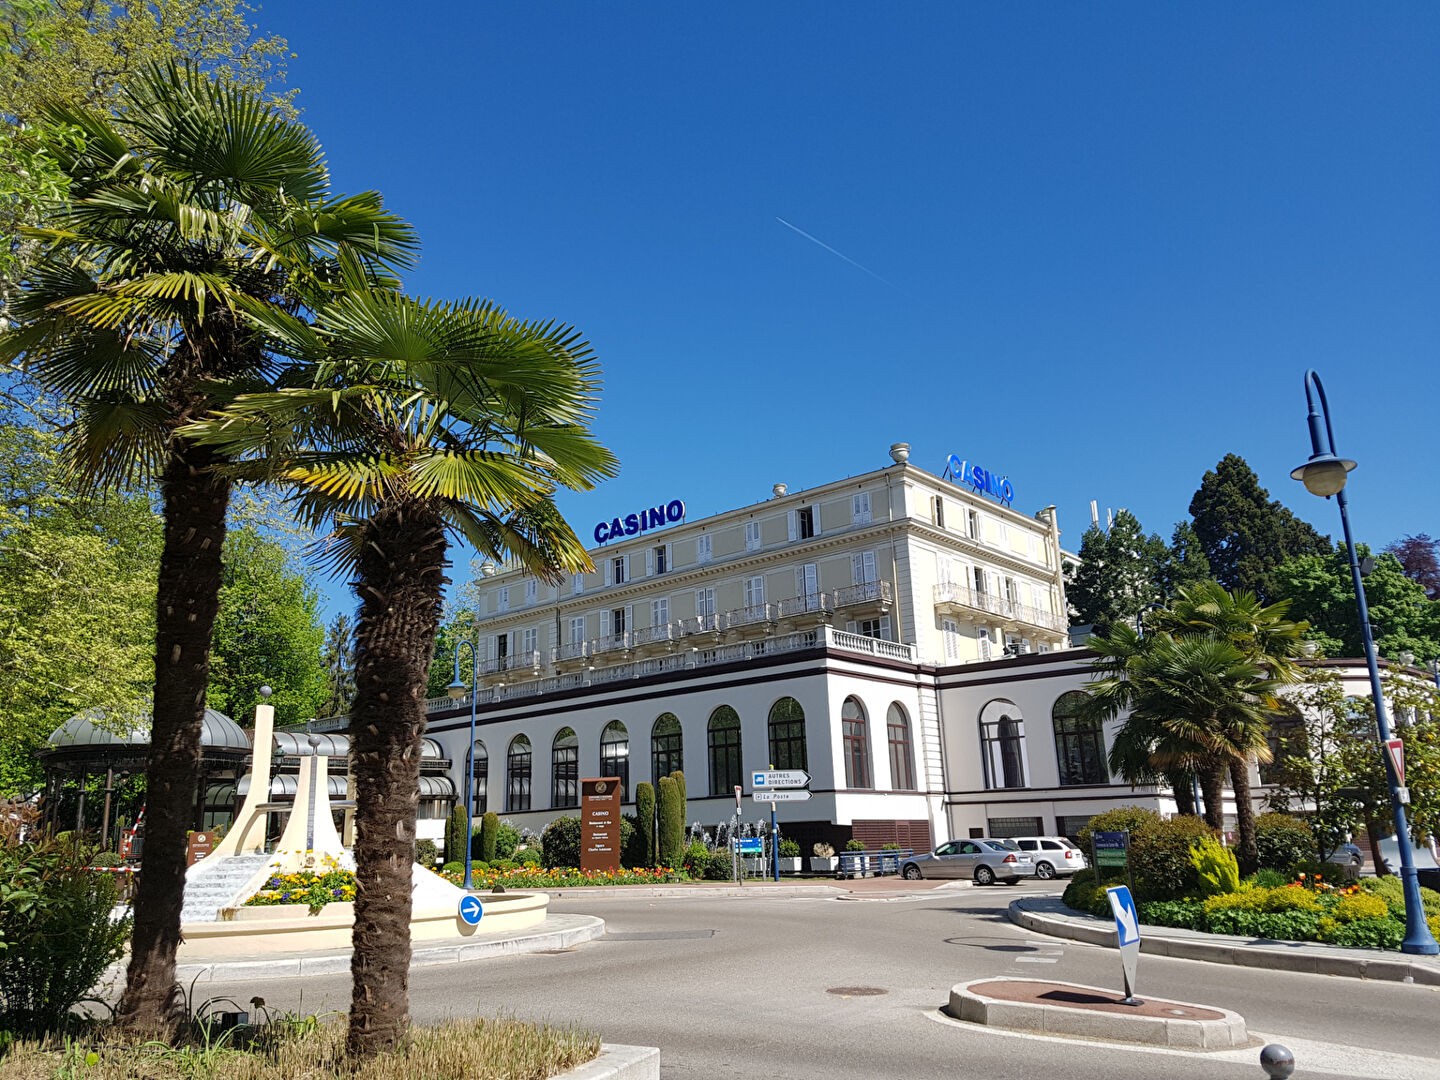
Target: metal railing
pixel 867 592
pixel 948 592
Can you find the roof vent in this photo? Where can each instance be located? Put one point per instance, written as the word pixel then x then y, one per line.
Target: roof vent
pixel 780 490
pixel 900 452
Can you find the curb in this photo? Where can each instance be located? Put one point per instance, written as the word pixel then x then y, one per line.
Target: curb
pixel 618 1062
pixel 972 1005
pixel 1280 956
pixel 723 891
pixel 574 930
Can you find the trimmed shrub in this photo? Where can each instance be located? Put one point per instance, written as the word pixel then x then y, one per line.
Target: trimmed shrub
pixel 454 866
pixel 854 845
pixel 630 854
pixel 1085 894
pixel 679 778
pixel 1184 914
pixel 1216 867
pixel 426 853
pixel 718 867
pixel 456 836
pixel 528 857
pixel 507 839
pixel 561 842
pixel 1269 879
pixel 1160 858
pixel 1392 890
pixel 789 849
pixel 645 821
pixel 1383 933
pixel 695 859
pixel 1284 841
pixel 489 834
pixel 672 822
pixel 1134 819
pixel 56 936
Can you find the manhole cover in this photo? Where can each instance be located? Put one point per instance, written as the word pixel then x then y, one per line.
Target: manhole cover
pixel 855 991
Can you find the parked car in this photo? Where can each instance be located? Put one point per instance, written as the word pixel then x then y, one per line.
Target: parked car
pixel 1054 855
pixel 984 860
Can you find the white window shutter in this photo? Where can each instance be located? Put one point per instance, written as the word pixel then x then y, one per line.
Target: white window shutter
pixel 815 517
pixel 649 562
pixel 629 618
pixel 627 567
pixel 608 574
pixel 605 623
pixel 669 559
pixel 868 565
pixel 792 520
pixel 942 569
pixel 857 569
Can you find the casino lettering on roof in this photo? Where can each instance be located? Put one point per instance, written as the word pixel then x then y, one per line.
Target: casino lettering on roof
pixel 653 517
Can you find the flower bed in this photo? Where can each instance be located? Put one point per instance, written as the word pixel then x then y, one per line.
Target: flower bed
pixel 313 888
pixel 535 877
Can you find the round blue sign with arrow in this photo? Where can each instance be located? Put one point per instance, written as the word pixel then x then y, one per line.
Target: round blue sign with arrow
pixel 471 910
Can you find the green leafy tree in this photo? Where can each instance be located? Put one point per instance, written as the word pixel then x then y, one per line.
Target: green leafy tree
pixel 422 421
pixel 337 657
pixel 193 203
pixel 457 625
pixel 1243 533
pixel 1321 590
pixel 267 632
pixel 79 53
pixel 1117 579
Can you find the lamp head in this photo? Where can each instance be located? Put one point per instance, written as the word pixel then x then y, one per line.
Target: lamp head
pixel 456 690
pixel 1323 474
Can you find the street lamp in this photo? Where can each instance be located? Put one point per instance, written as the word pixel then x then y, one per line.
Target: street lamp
pixel 456 690
pixel 1325 475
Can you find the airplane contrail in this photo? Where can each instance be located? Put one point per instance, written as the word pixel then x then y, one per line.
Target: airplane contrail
pixel 839 254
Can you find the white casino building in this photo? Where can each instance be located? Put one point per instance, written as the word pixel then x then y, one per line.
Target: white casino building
pixel 900 636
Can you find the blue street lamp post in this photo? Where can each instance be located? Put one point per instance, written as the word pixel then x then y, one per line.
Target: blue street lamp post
pixel 457 690
pixel 1325 475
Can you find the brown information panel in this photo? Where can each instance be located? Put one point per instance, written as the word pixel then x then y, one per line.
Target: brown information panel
pixel 600 824
pixel 198 846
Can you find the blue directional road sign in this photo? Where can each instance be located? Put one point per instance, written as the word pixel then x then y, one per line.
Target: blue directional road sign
pixel 471 910
pixel 1127 930
pixel 750 845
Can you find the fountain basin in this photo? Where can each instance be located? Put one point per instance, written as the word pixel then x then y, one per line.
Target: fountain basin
pixel 254 932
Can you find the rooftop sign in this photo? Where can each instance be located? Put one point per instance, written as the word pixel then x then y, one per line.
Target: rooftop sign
pixel 653 517
pixel 981 479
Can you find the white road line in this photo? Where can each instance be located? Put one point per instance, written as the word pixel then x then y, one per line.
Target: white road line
pixel 1311 1056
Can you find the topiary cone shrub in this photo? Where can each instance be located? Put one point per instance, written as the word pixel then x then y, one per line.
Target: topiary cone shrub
pixel 489 836
pixel 645 821
pixel 457 836
pixel 671 814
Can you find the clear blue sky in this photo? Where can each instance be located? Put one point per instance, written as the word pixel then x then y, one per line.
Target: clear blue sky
pixel 1097 245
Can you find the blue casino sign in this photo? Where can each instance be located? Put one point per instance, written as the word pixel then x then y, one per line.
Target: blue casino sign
pixel 652 517
pixel 981 479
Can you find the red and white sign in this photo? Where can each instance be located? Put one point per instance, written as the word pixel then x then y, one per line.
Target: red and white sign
pixel 1396 749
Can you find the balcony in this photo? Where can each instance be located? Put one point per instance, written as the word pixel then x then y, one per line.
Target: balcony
pixel 957 600
pixel 867 600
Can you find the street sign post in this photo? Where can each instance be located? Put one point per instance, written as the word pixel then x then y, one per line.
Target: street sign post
pixel 471 910
pixel 1127 932
pixel 779 778
pixel 781 795
pixel 750 845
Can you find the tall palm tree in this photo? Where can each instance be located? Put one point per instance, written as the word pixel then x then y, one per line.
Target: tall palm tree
pixel 424 421
pixel 189 205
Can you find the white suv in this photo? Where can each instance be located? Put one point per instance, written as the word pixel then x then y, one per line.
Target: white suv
pixel 1054 855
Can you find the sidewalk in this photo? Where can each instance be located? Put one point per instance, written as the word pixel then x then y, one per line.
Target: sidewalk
pixel 1048 915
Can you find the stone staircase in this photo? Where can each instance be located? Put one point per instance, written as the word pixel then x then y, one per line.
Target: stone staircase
pixel 210 886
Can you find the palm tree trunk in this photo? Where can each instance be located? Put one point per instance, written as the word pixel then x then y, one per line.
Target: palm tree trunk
pixel 1249 851
pixel 401 576
pixel 1212 786
pixel 1180 782
pixel 186 600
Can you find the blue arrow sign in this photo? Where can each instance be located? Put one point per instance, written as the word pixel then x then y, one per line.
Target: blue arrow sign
pixel 471 910
pixel 1127 919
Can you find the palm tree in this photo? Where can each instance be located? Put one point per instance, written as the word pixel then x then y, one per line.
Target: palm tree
pixel 424 421
pixel 189 205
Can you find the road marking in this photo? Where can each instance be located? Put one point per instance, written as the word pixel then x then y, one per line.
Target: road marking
pixel 1310 1055
pixel 1036 959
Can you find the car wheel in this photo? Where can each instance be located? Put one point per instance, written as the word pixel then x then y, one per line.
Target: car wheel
pixel 912 873
pixel 1044 871
pixel 984 876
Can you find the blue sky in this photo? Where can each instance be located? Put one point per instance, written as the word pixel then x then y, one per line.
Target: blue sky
pixel 1097 246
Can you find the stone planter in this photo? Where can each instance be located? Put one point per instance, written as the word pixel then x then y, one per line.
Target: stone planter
pixel 790 865
pixel 822 864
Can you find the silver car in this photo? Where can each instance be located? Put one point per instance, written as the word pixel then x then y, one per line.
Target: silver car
pixel 986 861
pixel 1054 856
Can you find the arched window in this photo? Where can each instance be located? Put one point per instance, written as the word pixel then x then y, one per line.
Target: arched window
pixel 902 755
pixel 667 746
pixel 565 770
pixel 787 735
pixel 615 755
pixel 1079 742
pixel 517 780
pixel 1002 745
pixel 855 733
pixel 723 735
pixel 480 773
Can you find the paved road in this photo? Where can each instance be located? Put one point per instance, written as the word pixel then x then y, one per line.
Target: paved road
pixel 813 987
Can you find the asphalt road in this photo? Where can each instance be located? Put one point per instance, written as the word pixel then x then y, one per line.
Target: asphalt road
pixel 815 987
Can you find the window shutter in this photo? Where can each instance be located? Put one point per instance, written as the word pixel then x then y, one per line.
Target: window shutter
pixel 629 618
pixel 609 576
pixel 942 569
pixel 857 569
pixel 627 567
pixel 815 517
pixel 605 623
pixel 669 559
pixel 792 520
pixel 649 562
